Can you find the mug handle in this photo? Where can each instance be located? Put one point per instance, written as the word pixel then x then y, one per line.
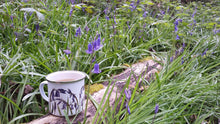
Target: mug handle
pixel 41 87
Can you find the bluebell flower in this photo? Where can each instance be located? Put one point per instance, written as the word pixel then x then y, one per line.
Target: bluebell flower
pixel 177 37
pixel 71 12
pixel 67 52
pixel 162 12
pixel 37 27
pixel 175 28
pixel 78 32
pixel 182 61
pixel 115 20
pixel 128 108
pixel 128 25
pixel 25 16
pixel 72 1
pixel 83 9
pixel 184 45
pixel 106 17
pixel 171 59
pixel 106 10
pixel 127 94
pixel 204 53
pixel 133 7
pixel 87 29
pixel 194 12
pixel 98 43
pixel 156 108
pixel 89 51
pixel 145 14
pixel 96 69
pixel 11 17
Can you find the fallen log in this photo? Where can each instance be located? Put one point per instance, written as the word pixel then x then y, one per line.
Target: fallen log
pixel 146 69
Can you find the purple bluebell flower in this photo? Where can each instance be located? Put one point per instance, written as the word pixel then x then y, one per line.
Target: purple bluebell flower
pixel 96 69
pixel 25 16
pixel 204 53
pixel 106 10
pixel 72 1
pixel 89 51
pixel 71 12
pixel 107 17
pixel 177 37
pixel 83 9
pixel 194 12
pixel 182 61
pixel 168 9
pixel 184 45
pixel 87 29
pixel 37 27
pixel 162 12
pixel 171 59
pixel 138 1
pixel 144 25
pixel 128 25
pixel 216 31
pixel 78 32
pixel 128 108
pixel 98 43
pixel 11 17
pixel 156 108
pixel 145 14
pixel 175 28
pixel 133 7
pixel 127 94
pixel 67 52
pixel 115 20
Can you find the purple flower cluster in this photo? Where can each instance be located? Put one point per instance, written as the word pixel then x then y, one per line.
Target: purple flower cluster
pixel 176 23
pixel 128 97
pixel 78 32
pixel 94 46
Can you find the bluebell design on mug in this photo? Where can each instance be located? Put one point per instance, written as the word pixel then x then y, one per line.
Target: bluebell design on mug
pixel 66 92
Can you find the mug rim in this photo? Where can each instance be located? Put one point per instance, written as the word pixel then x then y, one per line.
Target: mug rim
pixel 52 81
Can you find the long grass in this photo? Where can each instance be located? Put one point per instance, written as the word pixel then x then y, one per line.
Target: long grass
pixel 186 89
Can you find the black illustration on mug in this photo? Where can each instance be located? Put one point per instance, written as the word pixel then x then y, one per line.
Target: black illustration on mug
pixel 71 104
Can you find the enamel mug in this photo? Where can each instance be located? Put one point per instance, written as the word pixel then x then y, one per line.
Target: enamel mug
pixel 66 92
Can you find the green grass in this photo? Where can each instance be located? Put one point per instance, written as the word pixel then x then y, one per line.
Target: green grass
pixel 186 93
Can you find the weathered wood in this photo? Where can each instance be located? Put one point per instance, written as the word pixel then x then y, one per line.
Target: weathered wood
pixel 145 69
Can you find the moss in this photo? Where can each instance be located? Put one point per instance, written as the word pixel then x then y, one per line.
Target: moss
pixel 95 88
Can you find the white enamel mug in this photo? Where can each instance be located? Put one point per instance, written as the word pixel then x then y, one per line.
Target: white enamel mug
pixel 66 92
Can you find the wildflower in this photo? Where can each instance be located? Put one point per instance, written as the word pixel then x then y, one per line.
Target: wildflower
pixel 11 17
pixel 78 32
pixel 145 14
pixel 67 52
pixel 71 11
pixel 98 43
pixel 175 28
pixel 194 12
pixel 216 31
pixel 162 12
pixel 87 29
pixel 25 16
pixel 37 27
pixel 93 60
pixel 156 108
pixel 182 61
pixel 106 17
pixel 204 53
pixel 133 7
pixel 128 25
pixel 177 37
pixel 115 20
pixel 89 51
pixel 72 1
pixel 127 94
pixel 96 69
pixel 171 59
pixel 128 108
